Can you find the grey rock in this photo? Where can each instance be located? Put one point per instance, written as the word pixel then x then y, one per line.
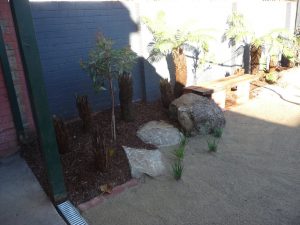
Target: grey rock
pixel 197 114
pixel 160 134
pixel 143 161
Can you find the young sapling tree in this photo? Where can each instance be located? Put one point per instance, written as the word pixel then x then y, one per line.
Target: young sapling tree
pixel 106 64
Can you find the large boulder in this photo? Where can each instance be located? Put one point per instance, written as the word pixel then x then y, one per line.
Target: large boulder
pixel 159 134
pixel 143 161
pixel 197 114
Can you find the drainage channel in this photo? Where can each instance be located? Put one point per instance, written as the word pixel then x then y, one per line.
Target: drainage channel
pixel 71 214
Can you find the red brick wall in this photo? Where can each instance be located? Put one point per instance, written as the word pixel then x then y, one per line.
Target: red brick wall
pixel 8 139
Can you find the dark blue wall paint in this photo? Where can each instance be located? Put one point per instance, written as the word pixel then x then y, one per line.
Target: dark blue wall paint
pixel 65 32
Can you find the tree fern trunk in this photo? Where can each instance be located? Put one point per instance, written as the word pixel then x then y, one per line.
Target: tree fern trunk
pixel 255 57
pixel 180 71
pixel 113 118
pixel 125 96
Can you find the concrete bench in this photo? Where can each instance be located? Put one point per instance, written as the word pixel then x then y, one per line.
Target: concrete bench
pixel 216 89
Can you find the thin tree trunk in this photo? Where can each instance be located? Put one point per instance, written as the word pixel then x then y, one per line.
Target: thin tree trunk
pixel 180 71
pixel 113 119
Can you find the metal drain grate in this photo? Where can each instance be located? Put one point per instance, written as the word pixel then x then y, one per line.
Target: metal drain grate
pixel 71 214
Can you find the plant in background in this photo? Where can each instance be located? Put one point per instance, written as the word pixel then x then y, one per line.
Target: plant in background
pixel 168 41
pixel 271 77
pixel 84 111
pixel 107 64
pixel 177 169
pixel 272 43
pixel 166 92
pixel 125 96
pixel 237 33
pixel 62 134
pixel 275 43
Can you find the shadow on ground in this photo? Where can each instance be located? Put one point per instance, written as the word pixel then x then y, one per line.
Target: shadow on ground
pixel 254 178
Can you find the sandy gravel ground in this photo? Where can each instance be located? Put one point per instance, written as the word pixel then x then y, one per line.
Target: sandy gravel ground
pixel 253 178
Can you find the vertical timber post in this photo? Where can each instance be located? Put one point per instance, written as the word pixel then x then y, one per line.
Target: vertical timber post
pixel 34 77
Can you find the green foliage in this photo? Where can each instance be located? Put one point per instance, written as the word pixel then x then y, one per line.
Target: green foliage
pixel 271 78
pixel 212 145
pixel 237 30
pixel 177 169
pixel 275 41
pixel 166 38
pixel 183 141
pixel 179 152
pixel 106 63
pixel 217 132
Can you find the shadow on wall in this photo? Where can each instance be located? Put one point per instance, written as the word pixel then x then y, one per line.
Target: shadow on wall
pixel 66 32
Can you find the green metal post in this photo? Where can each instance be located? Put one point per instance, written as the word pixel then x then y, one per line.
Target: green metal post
pixel 34 76
pixel 10 88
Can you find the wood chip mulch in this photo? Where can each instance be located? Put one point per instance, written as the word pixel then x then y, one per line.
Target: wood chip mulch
pixel 82 178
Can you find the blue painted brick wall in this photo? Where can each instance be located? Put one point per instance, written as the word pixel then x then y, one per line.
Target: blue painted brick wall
pixel 65 32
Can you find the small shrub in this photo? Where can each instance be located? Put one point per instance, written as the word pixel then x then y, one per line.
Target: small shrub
pixel 217 132
pixel 212 145
pixel 166 92
pixel 177 169
pixel 61 133
pixel 84 111
pixel 105 64
pixel 271 78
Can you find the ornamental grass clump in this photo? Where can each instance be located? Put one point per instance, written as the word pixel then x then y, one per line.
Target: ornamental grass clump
pixel 177 169
pixel 217 132
pixel 212 145
pixel 179 152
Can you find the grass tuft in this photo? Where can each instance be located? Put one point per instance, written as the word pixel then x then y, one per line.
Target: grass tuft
pixel 217 132
pixel 179 152
pixel 212 145
pixel 177 170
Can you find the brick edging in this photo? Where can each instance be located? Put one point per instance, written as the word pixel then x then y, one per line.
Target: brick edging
pixel 102 198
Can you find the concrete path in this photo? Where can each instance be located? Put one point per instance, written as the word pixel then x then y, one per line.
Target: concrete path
pixel 22 200
pixel 254 178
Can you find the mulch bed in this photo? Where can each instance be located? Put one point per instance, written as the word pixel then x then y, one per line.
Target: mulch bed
pixel 82 178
